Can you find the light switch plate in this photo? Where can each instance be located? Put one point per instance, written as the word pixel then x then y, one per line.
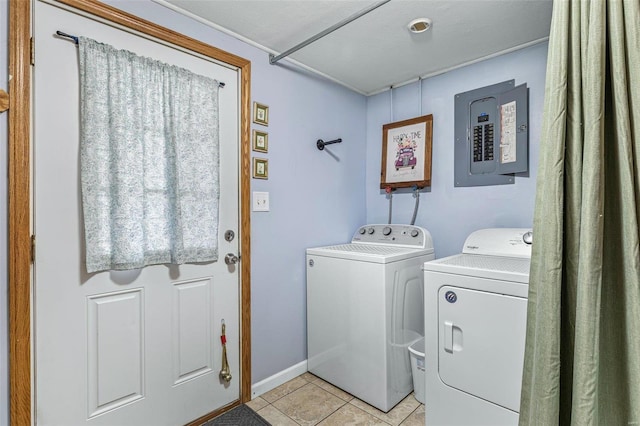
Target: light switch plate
pixel 260 201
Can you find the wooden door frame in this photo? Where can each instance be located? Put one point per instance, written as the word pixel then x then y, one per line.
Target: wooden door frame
pixel 19 198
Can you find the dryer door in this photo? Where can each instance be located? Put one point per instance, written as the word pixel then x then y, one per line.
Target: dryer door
pixel 481 343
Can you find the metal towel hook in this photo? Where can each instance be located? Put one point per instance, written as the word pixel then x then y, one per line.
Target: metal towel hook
pixel 321 144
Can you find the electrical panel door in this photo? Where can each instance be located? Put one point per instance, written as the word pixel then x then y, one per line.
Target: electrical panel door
pixel 491 132
pixel 514 131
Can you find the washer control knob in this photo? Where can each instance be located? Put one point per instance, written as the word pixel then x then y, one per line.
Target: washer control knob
pixel 371 231
pixel 362 231
pixel 415 233
pixel 528 237
pixel 386 230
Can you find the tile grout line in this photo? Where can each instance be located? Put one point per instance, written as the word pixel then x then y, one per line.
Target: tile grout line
pixel 275 408
pixel 371 414
pixel 410 414
pixel 334 411
pixel 314 380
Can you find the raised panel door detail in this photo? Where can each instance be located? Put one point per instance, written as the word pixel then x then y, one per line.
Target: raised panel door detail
pixel 115 350
pixel 192 330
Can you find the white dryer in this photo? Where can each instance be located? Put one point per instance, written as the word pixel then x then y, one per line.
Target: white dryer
pixel 364 309
pixel 475 321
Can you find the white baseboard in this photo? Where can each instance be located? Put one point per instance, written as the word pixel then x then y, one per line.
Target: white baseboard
pixel 277 379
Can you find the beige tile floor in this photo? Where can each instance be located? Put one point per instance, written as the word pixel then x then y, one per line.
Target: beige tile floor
pixel 308 400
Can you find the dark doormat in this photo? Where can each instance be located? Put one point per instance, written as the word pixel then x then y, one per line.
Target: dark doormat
pixel 239 416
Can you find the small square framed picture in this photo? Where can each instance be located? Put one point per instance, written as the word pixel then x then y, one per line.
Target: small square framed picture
pixel 260 141
pixel 260 168
pixel 260 114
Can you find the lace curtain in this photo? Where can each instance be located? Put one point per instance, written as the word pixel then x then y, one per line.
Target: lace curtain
pixel 149 157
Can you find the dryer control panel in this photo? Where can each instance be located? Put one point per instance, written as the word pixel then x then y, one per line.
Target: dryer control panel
pixel 508 242
pixel 391 234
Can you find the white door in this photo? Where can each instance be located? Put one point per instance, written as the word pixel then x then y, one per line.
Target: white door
pixel 122 348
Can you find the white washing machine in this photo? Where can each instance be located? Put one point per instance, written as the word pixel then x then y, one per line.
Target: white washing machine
pixel 475 321
pixel 364 308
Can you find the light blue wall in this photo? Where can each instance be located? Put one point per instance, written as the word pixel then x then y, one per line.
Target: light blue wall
pixel 315 198
pixel 319 198
pixel 449 213
pixel 4 316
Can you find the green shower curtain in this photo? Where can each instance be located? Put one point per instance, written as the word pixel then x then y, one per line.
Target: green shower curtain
pixel 582 358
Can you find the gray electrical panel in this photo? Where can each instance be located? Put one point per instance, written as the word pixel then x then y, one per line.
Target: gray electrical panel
pixel 491 134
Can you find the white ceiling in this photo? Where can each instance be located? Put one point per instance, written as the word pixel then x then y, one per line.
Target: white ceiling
pixel 376 51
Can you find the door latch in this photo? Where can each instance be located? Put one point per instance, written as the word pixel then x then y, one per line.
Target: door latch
pixel 231 259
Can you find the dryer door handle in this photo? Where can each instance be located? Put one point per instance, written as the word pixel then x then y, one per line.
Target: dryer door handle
pixel 452 337
pixel 448 336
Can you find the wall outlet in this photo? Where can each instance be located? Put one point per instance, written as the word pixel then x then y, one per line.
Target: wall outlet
pixel 260 201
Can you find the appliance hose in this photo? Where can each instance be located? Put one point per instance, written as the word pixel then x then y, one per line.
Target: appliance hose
pixel 388 191
pixel 416 194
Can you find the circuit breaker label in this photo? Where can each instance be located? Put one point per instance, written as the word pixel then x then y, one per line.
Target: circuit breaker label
pixel 508 133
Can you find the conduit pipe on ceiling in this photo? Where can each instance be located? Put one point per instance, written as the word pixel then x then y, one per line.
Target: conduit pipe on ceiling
pixel 273 58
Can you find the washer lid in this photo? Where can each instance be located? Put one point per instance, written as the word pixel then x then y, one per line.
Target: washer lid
pixel 375 253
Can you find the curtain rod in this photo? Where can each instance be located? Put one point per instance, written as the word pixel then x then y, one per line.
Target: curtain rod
pixel 69 36
pixel 273 58
pixel 75 40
